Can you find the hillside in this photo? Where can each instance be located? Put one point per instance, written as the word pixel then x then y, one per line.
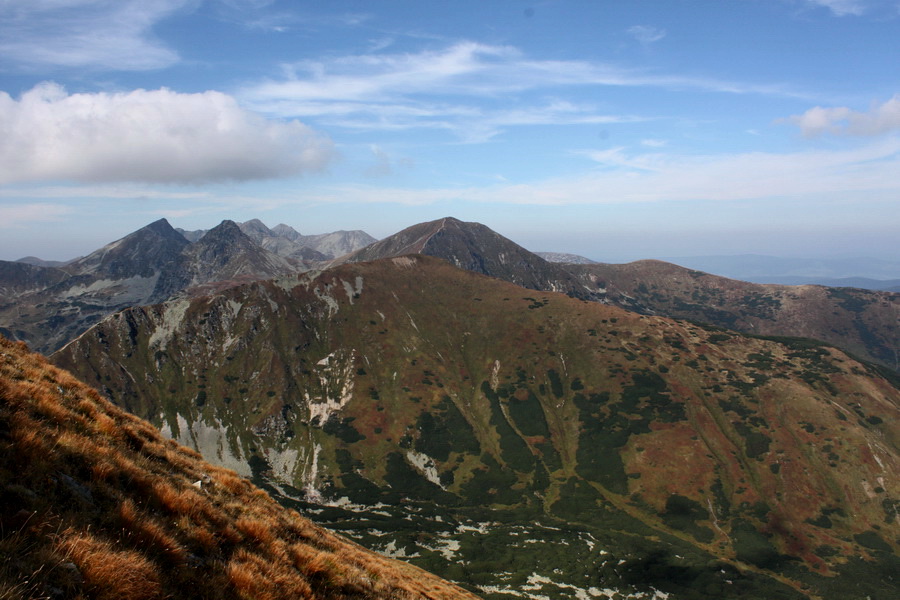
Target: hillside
pixel 94 503
pixel 863 322
pixel 524 442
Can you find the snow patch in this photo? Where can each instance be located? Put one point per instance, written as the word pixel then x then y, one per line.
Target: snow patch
pixel 330 303
pixel 335 386
pixel 353 292
pixel 311 473
pixel 424 464
pixel 234 308
pixel 495 376
pixel 211 440
pixel 172 316
pixel 404 262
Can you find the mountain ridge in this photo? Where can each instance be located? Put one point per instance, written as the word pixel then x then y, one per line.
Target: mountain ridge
pixel 864 322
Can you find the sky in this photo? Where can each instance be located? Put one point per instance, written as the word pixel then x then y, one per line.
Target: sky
pixel 613 129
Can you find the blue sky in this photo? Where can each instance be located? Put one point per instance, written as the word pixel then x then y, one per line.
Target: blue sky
pixel 614 129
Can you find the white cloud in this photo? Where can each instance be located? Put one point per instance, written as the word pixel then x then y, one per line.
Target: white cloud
pixel 157 136
pixel 880 119
pixel 107 34
pixel 645 34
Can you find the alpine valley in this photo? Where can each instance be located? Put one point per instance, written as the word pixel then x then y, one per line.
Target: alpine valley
pixel 523 428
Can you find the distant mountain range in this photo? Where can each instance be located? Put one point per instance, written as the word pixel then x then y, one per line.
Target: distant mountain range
pixel 286 241
pixel 49 306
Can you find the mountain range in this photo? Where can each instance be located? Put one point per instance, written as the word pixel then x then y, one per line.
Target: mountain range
pixel 49 306
pixel 519 426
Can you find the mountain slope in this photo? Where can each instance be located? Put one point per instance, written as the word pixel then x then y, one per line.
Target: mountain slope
pixel 476 248
pixel 863 322
pixel 94 503
pixel 49 307
pixel 139 254
pixel 696 462
pixel 17 278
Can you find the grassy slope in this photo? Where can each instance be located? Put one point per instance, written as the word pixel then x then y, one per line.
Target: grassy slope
pixel 774 456
pixel 96 504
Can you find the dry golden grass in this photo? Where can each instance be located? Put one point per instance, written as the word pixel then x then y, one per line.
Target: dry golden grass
pixel 94 502
pixel 111 574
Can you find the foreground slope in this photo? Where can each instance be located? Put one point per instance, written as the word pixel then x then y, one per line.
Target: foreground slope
pixel 659 454
pixel 94 503
pixel 863 322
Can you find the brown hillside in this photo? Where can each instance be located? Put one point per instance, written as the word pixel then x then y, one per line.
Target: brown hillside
pixel 94 503
pixel 863 322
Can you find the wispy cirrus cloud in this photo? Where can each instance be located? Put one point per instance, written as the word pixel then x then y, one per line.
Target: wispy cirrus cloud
pixel 841 120
pixel 157 136
pixel 646 34
pixel 623 177
pixel 466 87
pixel 102 34
pixel 841 8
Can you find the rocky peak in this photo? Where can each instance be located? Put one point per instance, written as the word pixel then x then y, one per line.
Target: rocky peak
pixel 139 254
pixel 478 248
pixel 286 231
pixel 256 230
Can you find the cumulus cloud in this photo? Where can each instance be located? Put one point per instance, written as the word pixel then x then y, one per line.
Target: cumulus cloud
pixel 155 136
pixel 880 119
pixel 107 34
